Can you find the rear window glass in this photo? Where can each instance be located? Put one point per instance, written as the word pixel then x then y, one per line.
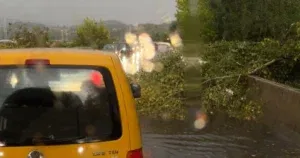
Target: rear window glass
pixel 57 105
pixel 123 46
pixel 109 47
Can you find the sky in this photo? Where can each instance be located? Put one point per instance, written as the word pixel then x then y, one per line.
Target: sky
pixel 70 12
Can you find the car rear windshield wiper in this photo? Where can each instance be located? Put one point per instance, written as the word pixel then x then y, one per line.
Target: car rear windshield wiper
pixel 79 139
pixel 50 141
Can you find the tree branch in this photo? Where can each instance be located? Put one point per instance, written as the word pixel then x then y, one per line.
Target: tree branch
pixel 222 77
pixel 261 67
pixel 239 75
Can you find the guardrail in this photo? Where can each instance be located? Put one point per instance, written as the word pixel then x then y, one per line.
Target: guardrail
pixel 281 103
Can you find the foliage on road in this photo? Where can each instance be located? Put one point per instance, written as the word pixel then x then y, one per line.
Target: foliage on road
pixel 224 76
pixel 237 39
pixel 162 91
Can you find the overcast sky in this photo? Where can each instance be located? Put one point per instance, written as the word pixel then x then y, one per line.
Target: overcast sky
pixel 68 12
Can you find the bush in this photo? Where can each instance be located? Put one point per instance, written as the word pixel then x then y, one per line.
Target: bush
pixel 162 91
pixel 7 45
pixel 31 37
pixel 92 34
pixel 59 44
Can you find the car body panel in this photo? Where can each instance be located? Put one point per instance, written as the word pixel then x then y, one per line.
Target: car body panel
pixel 134 125
pixel 129 140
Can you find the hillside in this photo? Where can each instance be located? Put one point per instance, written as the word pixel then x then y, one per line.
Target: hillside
pixel 117 29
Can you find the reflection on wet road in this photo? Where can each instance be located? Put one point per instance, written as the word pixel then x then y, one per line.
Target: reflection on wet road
pixel 176 139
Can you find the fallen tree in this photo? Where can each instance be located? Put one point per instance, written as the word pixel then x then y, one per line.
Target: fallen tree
pixel 162 89
pixel 224 76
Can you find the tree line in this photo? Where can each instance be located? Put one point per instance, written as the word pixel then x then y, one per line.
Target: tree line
pixel 90 33
pixel 213 20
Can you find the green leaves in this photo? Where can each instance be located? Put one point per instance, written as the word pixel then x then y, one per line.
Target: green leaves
pixel 162 92
pixel 195 24
pixel 236 20
pixel 228 65
pixel 92 33
pixel 31 37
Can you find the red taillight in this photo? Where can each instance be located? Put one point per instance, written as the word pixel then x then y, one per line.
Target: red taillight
pixel 37 62
pixel 135 154
pixel 97 78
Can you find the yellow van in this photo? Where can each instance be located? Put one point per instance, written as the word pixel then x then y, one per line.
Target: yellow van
pixel 66 103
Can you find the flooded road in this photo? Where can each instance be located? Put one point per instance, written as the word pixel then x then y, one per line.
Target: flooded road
pixel 178 139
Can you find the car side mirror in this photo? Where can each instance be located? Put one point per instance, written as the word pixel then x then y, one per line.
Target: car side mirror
pixel 136 90
pixel 122 50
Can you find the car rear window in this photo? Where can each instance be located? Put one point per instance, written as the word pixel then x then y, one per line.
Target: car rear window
pixel 57 105
pixel 123 46
pixel 109 47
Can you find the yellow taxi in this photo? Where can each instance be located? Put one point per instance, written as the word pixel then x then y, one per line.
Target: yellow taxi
pixel 66 103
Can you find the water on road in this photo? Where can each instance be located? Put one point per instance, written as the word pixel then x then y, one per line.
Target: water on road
pixel 177 139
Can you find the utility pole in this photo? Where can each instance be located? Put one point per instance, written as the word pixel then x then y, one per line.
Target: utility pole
pixel 5 28
pixel 62 35
pixel 2 32
pixel 66 35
